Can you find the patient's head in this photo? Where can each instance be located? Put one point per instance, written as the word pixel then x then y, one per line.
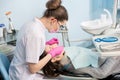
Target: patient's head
pixel 51 69
pixel 58 57
pixel 56 49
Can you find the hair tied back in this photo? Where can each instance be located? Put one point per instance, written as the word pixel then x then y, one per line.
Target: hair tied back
pixel 53 4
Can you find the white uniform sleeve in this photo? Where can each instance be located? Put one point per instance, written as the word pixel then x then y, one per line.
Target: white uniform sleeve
pixel 34 48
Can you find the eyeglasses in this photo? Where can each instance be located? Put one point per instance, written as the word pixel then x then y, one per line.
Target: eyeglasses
pixel 61 23
pixel 62 26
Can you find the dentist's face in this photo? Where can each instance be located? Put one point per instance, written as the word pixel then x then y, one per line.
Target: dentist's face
pixel 55 25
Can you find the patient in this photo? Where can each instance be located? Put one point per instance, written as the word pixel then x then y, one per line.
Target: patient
pixel 88 62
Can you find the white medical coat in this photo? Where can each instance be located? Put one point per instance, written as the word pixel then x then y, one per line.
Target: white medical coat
pixel 30 45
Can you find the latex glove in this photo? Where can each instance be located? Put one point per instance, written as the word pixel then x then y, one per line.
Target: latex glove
pixel 56 51
pixel 52 41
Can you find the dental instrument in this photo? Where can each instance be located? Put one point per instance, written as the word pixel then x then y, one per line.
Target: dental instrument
pixel 64 31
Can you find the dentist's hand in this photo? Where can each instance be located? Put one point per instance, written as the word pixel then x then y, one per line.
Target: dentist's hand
pixel 52 41
pixel 56 51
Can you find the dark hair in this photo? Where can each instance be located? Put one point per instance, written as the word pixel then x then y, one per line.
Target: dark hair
pixel 56 10
pixel 51 69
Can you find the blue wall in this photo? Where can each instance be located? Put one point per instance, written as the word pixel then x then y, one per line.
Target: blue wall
pixel 22 10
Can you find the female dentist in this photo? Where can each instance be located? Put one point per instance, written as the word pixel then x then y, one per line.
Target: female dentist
pixel 31 42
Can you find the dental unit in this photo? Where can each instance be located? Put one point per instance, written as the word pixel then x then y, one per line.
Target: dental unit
pixel 98 26
pixel 106 34
pixel 110 48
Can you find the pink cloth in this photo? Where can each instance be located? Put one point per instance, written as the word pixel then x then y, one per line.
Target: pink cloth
pixel 52 41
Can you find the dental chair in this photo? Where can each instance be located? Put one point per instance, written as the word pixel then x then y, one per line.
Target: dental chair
pixel 74 76
pixel 115 76
pixel 4 67
pixel 65 75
